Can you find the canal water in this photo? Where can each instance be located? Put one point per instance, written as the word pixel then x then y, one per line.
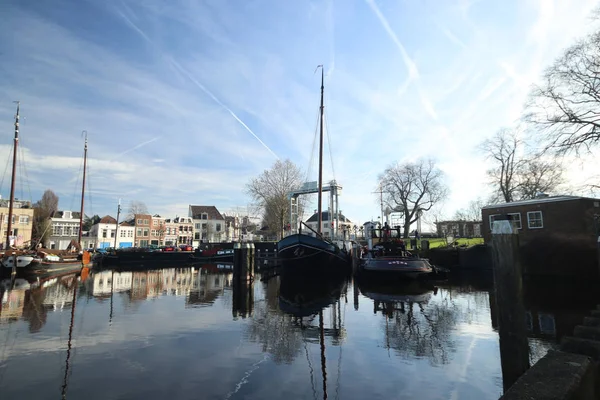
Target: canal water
pixel 193 333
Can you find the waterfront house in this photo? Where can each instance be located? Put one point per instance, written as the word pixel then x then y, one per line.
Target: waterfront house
pixel 458 228
pixel 22 223
pixel 125 234
pixel 343 224
pixel 142 229
pixel 570 216
pixel 184 230
pixel 170 232
pixel 157 230
pixel 232 228
pixel 208 224
pixel 64 228
pixel 103 233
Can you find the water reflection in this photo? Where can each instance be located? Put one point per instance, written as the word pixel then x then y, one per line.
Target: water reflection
pixel 184 331
pixel 413 326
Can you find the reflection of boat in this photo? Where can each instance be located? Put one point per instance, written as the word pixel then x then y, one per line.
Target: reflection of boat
pixel 302 251
pixel 413 291
pixel 302 295
pixel 388 259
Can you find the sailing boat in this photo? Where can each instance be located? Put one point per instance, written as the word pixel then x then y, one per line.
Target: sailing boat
pixel 300 252
pixel 12 259
pixel 46 261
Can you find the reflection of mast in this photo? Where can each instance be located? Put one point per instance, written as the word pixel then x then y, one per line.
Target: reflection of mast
pixel 323 360
pixel 64 386
pixel 112 290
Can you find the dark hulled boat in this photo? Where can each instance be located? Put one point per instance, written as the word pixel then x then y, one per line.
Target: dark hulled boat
pixel 314 253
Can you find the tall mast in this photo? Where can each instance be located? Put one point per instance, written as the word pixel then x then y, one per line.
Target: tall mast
pixel 320 207
pixel 117 227
pixel 13 179
pixel 82 190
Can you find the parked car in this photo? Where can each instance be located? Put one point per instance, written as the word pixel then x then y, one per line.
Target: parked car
pixel 186 247
pixel 168 248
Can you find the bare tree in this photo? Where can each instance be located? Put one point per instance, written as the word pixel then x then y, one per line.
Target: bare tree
pixel 44 209
pixel 270 191
pixel 136 207
pixel 515 176
pixel 539 176
pixel 412 188
pixel 566 107
pixel 501 149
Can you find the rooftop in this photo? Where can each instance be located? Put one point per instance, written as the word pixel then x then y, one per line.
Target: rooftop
pixel 549 199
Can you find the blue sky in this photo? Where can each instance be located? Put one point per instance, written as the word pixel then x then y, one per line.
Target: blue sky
pixel 185 101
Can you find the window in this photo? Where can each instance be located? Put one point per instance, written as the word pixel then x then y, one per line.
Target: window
pixel 204 216
pixel 24 219
pixel 516 219
pixel 146 232
pixel 67 231
pixel 146 222
pixel 535 220
pixel 197 236
pixel 218 227
pixel 494 217
pixel 130 234
pixel 112 234
pixel 139 221
pixel 56 230
pixel 143 243
pixel 197 226
pixel 154 222
pixel 203 227
pixel 123 234
pixel 103 233
pixel 139 231
pixel 75 231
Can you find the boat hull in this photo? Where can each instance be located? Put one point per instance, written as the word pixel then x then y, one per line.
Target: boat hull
pixel 311 255
pixel 399 267
pixel 22 261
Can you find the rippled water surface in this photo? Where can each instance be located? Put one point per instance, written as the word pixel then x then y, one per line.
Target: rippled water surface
pixel 190 333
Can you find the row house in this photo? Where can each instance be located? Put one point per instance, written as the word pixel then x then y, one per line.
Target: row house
pixel 157 230
pixel 458 229
pixel 179 231
pixel 64 228
pixel 22 223
pixel 232 228
pixel 103 233
pixel 142 223
pixel 209 224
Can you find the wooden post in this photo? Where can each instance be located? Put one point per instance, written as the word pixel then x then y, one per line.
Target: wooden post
pixel 508 286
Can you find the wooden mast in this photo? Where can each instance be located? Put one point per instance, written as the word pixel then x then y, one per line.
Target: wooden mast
pixel 82 191
pixel 320 193
pixel 13 179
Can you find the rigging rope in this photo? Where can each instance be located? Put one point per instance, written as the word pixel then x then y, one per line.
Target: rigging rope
pixel 8 159
pixel 89 191
pixel 77 185
pixel 24 173
pixel 329 145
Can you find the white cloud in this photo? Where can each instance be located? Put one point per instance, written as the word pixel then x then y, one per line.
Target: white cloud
pixel 185 102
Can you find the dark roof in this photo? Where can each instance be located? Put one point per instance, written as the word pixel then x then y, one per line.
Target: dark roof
pixel 213 213
pixel 131 222
pixel 107 219
pixel 59 214
pixel 325 217
pixel 549 199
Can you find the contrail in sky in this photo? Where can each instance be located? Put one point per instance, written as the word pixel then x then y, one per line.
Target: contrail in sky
pixel 219 102
pixel 136 147
pixel 191 78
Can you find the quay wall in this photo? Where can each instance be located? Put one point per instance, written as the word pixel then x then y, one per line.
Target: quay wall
pixel 567 374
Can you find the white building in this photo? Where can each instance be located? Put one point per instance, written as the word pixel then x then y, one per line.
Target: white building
pixel 209 224
pixel 344 230
pixel 103 233
pixel 105 282
pixel 64 227
pixel 125 234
